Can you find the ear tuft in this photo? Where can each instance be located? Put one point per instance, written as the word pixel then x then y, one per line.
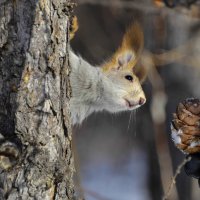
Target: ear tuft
pixel 133 39
pixel 129 51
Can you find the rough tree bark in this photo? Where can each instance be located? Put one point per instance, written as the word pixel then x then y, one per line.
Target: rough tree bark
pixel 35 133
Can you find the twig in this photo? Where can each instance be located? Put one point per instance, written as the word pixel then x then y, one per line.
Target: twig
pixel 158 104
pixel 177 54
pixel 173 181
pixel 121 4
pixel 138 5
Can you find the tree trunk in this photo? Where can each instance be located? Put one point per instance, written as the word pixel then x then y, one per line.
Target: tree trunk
pixel 35 131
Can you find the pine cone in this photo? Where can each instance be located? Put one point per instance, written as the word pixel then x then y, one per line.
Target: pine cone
pixel 186 126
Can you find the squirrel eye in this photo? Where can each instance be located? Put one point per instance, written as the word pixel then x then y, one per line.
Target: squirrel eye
pixel 129 77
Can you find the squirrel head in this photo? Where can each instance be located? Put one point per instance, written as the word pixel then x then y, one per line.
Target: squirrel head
pixel 126 73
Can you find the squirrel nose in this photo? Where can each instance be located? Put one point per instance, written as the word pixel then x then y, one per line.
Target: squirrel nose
pixel 141 101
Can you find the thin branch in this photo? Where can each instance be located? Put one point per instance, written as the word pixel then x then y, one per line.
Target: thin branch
pixel 177 54
pixel 158 104
pixel 141 6
pixel 122 4
pixel 173 181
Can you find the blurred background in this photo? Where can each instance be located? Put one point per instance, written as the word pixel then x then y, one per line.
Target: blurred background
pixel 130 155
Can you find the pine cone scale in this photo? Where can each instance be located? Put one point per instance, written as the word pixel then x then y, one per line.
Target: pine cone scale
pixel 191 130
pixel 193 107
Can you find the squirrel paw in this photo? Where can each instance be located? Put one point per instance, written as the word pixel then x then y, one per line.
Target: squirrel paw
pixel 73 26
pixel 9 155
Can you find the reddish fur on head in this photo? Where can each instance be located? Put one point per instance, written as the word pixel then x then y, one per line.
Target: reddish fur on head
pixel 129 51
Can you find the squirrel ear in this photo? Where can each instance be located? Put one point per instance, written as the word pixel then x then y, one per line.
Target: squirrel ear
pixel 133 40
pixel 129 51
pixel 125 58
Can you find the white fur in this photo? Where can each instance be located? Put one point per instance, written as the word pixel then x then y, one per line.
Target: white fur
pixel 194 144
pixel 176 135
pixel 93 90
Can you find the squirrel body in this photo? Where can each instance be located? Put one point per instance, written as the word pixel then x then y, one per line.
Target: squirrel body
pixel 113 87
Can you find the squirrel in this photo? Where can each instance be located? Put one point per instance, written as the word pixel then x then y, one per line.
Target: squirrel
pixel 114 86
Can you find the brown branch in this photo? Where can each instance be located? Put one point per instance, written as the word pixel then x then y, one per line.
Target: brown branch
pixel 173 181
pixel 122 4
